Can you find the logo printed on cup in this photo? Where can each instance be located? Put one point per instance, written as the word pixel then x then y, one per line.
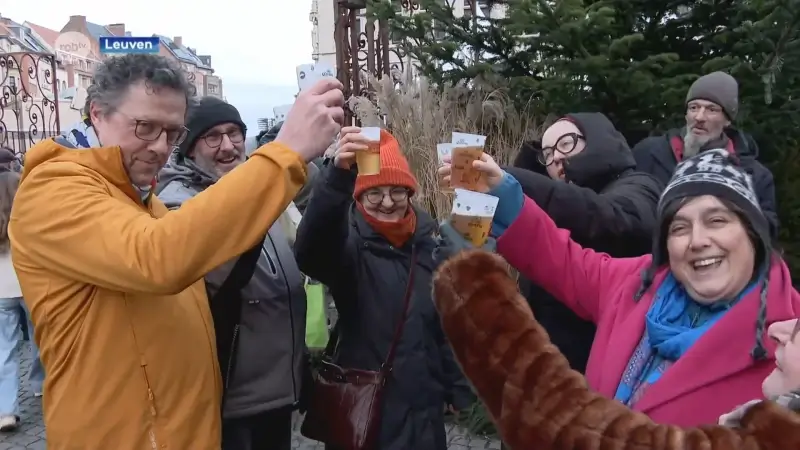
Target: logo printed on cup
pixel 324 71
pixel 472 215
pixel 305 76
pixel 444 150
pixel 466 139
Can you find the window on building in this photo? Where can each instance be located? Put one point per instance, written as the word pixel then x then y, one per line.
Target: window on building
pixel 212 89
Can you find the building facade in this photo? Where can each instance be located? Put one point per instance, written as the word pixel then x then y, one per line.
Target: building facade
pixel 28 102
pixel 37 103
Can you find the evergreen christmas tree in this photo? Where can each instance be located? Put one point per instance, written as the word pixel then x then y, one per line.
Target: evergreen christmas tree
pixel 632 60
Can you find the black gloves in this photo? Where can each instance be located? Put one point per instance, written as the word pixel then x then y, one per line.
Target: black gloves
pixel 451 242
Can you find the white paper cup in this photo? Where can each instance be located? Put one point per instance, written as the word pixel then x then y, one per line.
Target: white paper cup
pixel 369 160
pixel 373 134
pixel 472 215
pixel 468 140
pixel 443 150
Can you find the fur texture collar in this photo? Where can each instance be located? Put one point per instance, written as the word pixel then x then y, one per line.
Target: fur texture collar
pixel 538 402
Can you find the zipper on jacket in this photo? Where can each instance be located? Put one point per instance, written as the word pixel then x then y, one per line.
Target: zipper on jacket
pixel 295 392
pixel 291 320
pixel 151 398
pixel 229 369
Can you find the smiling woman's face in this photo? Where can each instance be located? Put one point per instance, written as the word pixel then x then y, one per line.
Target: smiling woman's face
pixel 386 203
pixel 786 376
pixel 710 252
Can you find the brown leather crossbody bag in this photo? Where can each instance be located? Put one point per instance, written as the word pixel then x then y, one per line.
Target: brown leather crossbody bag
pixel 345 406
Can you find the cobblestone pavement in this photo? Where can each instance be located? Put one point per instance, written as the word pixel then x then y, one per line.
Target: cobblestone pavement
pixel 31 435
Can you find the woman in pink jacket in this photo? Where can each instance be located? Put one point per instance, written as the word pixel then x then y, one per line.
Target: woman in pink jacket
pixel 681 333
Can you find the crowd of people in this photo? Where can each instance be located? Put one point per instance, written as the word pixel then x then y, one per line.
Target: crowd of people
pixel 157 258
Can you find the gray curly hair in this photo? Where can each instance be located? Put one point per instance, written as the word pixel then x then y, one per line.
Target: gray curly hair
pixel 114 76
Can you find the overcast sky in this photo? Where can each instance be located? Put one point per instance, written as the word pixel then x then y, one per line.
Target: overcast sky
pixel 255 45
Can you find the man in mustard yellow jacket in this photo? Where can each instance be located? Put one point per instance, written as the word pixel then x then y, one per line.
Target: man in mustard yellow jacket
pixel 114 281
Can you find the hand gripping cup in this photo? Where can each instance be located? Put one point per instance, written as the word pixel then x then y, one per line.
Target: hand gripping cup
pixel 472 215
pixel 467 148
pixel 369 160
pixel 443 150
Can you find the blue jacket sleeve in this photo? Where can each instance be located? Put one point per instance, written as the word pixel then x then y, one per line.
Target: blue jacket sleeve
pixel 511 198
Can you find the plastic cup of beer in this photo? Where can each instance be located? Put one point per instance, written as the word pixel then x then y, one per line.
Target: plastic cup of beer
pixel 369 160
pixel 444 150
pixel 472 215
pixel 467 148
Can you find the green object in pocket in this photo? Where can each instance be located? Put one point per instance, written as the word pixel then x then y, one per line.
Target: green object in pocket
pixel 316 318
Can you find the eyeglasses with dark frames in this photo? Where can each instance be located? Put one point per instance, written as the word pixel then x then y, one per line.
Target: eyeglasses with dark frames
pixel 398 194
pixel 214 139
pixel 150 131
pixel 565 145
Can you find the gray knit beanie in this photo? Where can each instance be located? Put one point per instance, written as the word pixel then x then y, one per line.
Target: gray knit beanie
pixel 717 87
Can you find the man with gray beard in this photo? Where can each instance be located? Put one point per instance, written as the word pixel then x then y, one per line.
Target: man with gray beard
pixel 711 106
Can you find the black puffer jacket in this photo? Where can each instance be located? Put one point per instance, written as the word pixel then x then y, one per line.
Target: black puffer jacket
pixel 367 277
pixel 658 156
pixel 605 204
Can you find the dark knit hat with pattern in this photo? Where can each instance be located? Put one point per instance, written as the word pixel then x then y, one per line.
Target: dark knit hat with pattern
pixel 204 115
pixel 715 172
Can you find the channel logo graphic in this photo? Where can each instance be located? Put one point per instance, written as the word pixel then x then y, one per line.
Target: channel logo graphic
pixel 73 43
pixel 120 45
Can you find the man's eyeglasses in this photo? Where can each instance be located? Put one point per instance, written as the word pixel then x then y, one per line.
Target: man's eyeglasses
pixel 564 145
pixel 151 131
pixel 397 195
pixel 214 139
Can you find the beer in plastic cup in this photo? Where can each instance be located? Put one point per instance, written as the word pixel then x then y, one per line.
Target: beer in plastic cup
pixel 443 150
pixel 369 160
pixel 472 215
pixel 467 148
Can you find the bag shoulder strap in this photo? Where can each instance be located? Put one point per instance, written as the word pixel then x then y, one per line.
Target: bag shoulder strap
pixel 333 341
pixel 398 332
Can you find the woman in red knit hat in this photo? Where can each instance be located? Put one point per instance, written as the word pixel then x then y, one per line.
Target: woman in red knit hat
pixel 362 237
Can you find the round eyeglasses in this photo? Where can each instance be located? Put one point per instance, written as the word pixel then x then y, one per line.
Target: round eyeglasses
pixel 565 145
pixel 397 195
pixel 214 139
pixel 151 131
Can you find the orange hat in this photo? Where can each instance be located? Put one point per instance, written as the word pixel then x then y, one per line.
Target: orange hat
pixel 395 170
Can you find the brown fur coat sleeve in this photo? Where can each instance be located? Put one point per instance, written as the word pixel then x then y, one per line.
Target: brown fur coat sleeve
pixel 538 402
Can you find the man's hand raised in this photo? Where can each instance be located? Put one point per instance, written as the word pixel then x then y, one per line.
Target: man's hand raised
pixel 314 120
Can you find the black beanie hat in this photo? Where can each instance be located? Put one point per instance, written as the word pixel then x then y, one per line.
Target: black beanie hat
pixel 715 172
pixel 206 114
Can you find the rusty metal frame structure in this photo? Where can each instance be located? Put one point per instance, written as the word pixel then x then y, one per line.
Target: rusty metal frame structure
pixel 362 54
pixel 27 116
